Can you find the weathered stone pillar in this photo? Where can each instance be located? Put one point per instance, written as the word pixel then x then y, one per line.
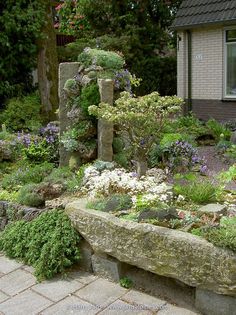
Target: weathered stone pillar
pixel 105 128
pixel 67 70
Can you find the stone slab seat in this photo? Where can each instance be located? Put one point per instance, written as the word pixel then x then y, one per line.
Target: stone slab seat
pixel 163 251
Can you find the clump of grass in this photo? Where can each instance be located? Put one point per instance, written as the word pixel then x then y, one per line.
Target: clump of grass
pixel 199 191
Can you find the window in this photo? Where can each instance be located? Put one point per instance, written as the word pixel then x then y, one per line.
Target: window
pixel 230 64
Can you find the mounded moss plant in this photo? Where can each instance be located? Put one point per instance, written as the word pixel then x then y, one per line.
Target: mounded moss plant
pixel 28 196
pixel 106 59
pixel 49 243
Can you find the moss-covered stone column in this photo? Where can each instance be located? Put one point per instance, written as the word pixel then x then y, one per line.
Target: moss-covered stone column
pixel 105 128
pixel 67 70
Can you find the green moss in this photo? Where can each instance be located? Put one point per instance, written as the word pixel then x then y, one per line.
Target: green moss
pixel 89 96
pixel 108 60
pixel 28 196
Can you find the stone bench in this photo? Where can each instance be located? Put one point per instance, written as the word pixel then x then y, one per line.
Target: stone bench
pixel 165 252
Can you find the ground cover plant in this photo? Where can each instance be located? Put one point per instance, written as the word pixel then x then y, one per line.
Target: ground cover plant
pixel 49 243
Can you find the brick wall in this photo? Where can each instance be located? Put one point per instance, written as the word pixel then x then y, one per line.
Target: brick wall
pixel 207 64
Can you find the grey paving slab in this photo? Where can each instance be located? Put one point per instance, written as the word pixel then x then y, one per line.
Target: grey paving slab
pixel 139 298
pixel 16 282
pixel 8 265
pixel 3 297
pixel 120 307
pixel 174 310
pixel 57 289
pixel 71 305
pixel 82 276
pixel 25 303
pixel 101 292
pixel 28 268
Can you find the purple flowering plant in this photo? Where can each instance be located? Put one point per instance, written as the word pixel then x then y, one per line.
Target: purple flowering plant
pixel 124 81
pixel 181 154
pixel 41 147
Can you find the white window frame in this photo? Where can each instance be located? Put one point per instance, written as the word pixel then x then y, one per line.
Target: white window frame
pixel 225 95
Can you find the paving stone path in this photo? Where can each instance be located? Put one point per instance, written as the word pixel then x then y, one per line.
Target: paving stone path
pixel 79 293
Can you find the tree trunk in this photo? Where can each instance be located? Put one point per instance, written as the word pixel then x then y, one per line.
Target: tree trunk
pixel 142 165
pixel 141 168
pixel 48 67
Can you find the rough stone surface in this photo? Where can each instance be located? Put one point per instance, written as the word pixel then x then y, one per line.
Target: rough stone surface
pixel 105 129
pixel 86 254
pixel 67 70
pixel 10 211
pixel 210 303
pixel 233 137
pixel 106 267
pixel 163 251
pixel 213 209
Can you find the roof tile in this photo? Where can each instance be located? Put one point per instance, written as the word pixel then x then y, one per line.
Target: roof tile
pixel 199 12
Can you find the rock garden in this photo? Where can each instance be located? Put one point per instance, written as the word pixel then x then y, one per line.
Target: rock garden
pixel 129 174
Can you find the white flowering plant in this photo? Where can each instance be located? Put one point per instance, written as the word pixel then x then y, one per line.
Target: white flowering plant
pixel 106 182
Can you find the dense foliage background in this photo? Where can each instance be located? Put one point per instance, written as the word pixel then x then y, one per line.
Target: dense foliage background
pixel 138 29
pixel 20 24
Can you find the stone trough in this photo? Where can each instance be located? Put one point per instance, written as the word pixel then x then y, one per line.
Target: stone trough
pixel 162 251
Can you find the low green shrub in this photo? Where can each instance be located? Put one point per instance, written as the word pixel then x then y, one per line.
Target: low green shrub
pixel 28 196
pixel 198 191
pixel 26 174
pixel 121 159
pixel 228 175
pixel 218 130
pixel 37 152
pixel 49 243
pixel 22 113
pixel 126 282
pixel 189 125
pixel 8 196
pixel 89 96
pixel 222 236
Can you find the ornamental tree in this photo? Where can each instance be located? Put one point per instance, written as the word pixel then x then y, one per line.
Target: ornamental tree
pixel 143 118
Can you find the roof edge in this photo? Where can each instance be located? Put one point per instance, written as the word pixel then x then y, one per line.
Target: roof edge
pixel 191 26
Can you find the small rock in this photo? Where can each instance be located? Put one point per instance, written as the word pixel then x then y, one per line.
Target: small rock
pixel 233 137
pixel 159 214
pixel 157 174
pixel 50 191
pixel 117 203
pixel 213 209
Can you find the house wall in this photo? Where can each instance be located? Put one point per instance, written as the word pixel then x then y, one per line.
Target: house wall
pixel 207 73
